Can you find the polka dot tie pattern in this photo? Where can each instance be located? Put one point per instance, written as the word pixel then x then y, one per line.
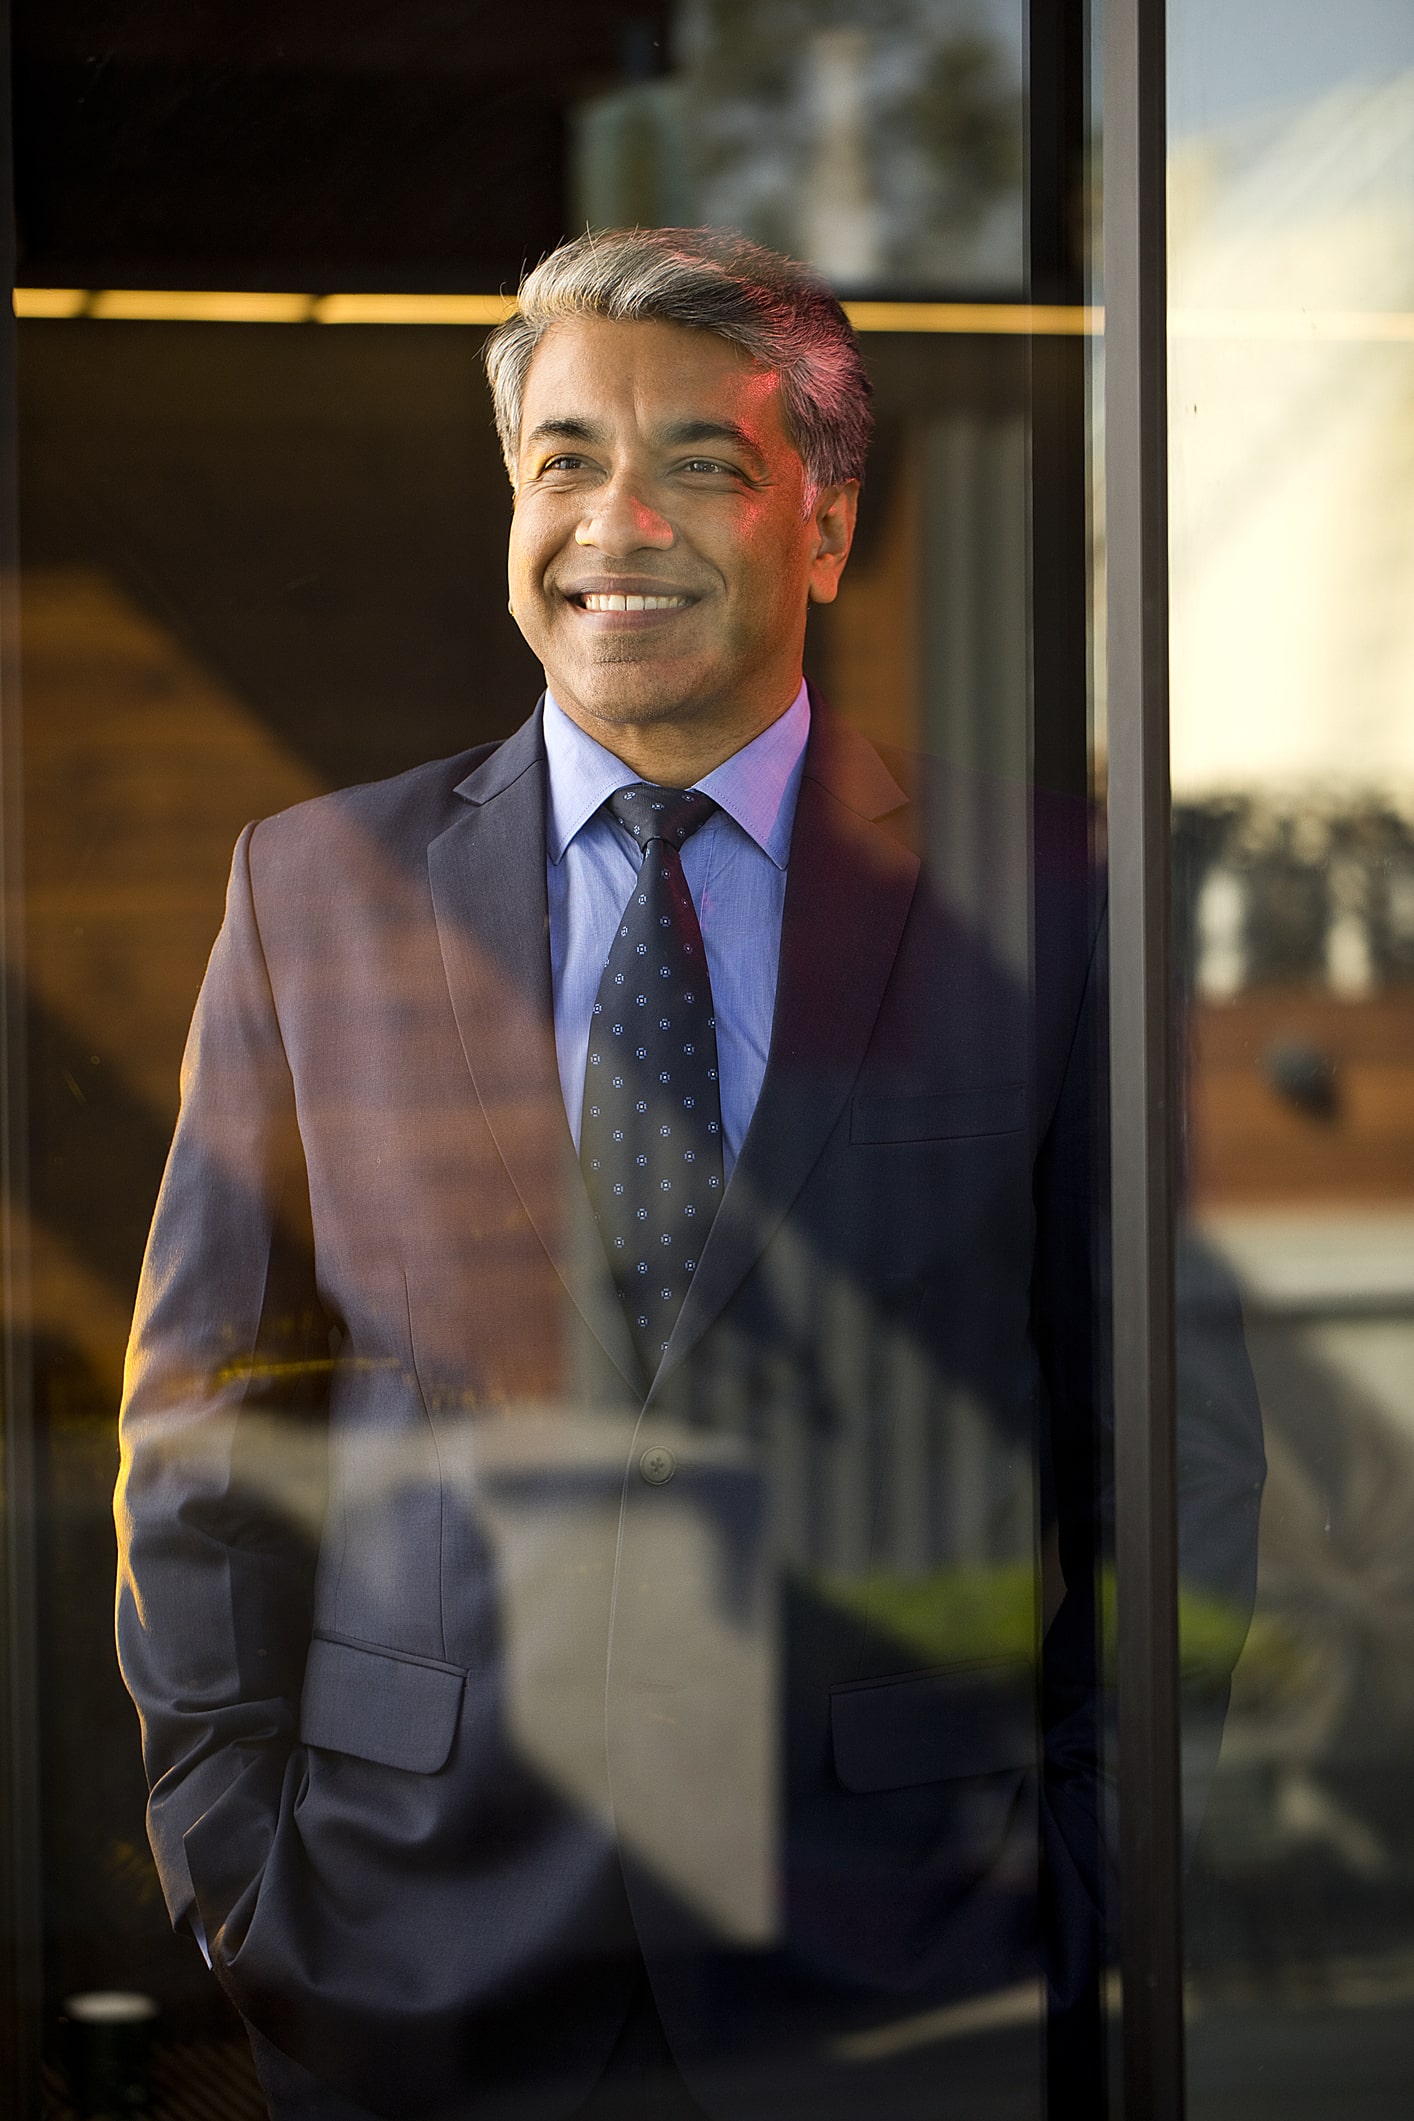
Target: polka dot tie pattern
pixel 651 1131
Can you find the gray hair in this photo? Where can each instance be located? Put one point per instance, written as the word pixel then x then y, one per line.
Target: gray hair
pixel 779 312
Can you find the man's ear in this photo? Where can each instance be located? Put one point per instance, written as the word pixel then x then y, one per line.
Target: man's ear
pixel 833 518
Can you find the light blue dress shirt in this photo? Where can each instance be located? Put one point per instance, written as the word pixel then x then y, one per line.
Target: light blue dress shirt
pixel 735 867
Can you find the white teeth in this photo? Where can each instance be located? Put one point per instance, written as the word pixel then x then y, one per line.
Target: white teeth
pixel 602 602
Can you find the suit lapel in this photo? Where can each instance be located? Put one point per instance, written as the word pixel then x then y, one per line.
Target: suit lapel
pixel 487 875
pixel 848 893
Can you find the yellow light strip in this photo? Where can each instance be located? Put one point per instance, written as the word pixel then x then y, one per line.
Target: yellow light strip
pixel 975 319
pixel 50 301
pixel 1031 320
pixel 413 309
pixel 162 305
pixel 173 305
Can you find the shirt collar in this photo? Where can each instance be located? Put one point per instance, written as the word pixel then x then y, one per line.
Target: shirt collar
pixel 757 786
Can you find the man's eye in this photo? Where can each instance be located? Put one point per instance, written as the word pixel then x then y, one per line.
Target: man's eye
pixel 565 463
pixel 705 464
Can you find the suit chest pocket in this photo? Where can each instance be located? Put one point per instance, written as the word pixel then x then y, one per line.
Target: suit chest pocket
pixel 939 1115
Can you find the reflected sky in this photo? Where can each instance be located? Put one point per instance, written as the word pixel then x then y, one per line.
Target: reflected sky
pixel 1230 59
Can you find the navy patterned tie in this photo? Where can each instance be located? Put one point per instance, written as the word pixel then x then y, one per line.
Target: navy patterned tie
pixel 651 1133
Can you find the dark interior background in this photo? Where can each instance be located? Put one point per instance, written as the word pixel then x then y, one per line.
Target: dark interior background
pixel 332 143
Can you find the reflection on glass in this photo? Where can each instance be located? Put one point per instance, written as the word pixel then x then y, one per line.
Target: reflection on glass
pixel 262 566
pixel 882 143
pixel 1292 381
pixel 519 1688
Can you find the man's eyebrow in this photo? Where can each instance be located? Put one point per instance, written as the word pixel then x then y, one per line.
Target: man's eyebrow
pixel 685 431
pixel 567 430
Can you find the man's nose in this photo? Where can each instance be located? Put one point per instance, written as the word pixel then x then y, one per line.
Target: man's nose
pixel 620 521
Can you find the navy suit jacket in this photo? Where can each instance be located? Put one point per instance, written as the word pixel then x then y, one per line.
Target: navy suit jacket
pixel 471 1676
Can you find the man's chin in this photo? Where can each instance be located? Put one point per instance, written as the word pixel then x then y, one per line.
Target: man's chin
pixel 627 696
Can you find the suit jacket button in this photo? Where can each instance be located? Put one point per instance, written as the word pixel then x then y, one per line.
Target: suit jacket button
pixel 657 1465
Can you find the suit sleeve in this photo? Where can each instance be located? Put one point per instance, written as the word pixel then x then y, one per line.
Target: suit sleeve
pixel 219 1498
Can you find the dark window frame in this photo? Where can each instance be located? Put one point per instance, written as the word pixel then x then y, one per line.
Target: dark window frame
pixel 1142 1071
pixel 21 1956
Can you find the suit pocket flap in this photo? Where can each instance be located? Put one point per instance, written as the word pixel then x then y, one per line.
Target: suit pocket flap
pixel 890 1734
pixel 989 1108
pixel 397 1710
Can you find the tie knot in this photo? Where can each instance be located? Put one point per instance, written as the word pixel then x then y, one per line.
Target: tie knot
pixel 652 813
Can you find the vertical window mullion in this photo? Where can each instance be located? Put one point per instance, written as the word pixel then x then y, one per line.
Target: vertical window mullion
pixel 1142 1070
pixel 20 1918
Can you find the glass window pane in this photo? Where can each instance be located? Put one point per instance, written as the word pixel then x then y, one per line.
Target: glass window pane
pixel 1291 187
pixel 520 1736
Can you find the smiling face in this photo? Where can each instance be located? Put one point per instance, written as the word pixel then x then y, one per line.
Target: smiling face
pixel 664 547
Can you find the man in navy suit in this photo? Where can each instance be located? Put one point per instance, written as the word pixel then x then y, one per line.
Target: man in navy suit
pixel 585 1471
